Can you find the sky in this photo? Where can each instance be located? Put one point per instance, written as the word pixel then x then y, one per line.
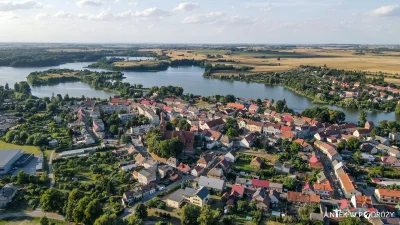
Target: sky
pixel 201 21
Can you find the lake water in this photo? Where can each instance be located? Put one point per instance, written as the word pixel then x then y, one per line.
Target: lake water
pixel 190 78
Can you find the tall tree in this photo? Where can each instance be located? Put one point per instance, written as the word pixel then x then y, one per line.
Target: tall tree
pixel 363 118
pixel 93 211
pixel 189 215
pixel 73 198
pixel 208 216
pixel 140 211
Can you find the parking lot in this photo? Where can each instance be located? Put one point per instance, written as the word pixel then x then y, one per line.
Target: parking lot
pixel 30 168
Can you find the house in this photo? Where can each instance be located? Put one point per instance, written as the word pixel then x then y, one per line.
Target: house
pixel 323 189
pixel 362 203
pixel 199 197
pixel 387 196
pixel 212 125
pixel 348 127
pixel 270 128
pixel 184 168
pixel 163 170
pixel 7 193
pixel 390 161
pixel 235 105
pixel 361 133
pixel 261 199
pixel 146 176
pixel 315 163
pixel 301 198
pixel 224 165
pixel 217 173
pixel 237 191
pixel 226 141
pixel 250 125
pixel 206 159
pixel 149 189
pixel 369 125
pixel 211 135
pixel 175 199
pixel 149 163
pixel 382 140
pixel 131 196
pixel 321 177
pixel 307 188
pixel 247 142
pixel 231 156
pixel 256 163
pixel 347 186
pixel 197 170
pixel 282 168
pixel 254 108
pixel 390 150
pixel 305 147
pixel 212 183
pixel 274 197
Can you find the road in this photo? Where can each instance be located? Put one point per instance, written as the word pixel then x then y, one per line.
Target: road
pixel 326 163
pixel 131 210
pixel 36 213
pixel 51 174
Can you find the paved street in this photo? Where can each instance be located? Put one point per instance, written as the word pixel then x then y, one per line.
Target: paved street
pixel 332 178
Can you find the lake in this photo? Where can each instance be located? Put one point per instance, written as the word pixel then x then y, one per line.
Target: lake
pixel 190 78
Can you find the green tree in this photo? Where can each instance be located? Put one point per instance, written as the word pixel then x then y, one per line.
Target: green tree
pixel 242 206
pixel 133 220
pixel 140 211
pixel 78 214
pixel 357 157
pixel 189 215
pixel 257 217
pixel 73 198
pixel 93 211
pixel 295 148
pixel 363 118
pixel 232 133
pixel 107 219
pixel 125 139
pixel 52 200
pixel 114 129
pixel 353 143
pixel 290 183
pixel 44 220
pixel 341 146
pixel 228 220
pixel 397 109
pixel 351 221
pixel 208 216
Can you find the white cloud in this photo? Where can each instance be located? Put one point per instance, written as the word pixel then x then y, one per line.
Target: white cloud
pixel 186 6
pixel 211 17
pixel 89 3
pixel 104 15
pixel 59 15
pixel 8 15
pixel 17 5
pixel 132 3
pixel 152 12
pixel 263 6
pixel 389 10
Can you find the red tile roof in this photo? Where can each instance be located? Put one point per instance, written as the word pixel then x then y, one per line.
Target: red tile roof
pixel 260 183
pixel 237 189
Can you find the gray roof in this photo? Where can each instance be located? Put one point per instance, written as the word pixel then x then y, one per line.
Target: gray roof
pixel 211 183
pixel 189 192
pixel 7 192
pixel 202 192
pixel 177 196
pixel 7 155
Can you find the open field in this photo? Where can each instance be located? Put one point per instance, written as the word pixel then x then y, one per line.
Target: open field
pixel 267 60
pixel 138 63
pixel 27 221
pixel 28 149
pixel 271 159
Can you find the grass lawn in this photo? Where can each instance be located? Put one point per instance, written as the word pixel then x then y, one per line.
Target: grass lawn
pixel 29 149
pixel 175 219
pixel 202 104
pixel 270 158
pixel 244 165
pixel 27 221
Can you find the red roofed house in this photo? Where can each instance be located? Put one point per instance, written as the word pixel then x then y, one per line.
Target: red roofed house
pixel 323 189
pixel 361 133
pixel 315 163
pixel 260 183
pixel 235 105
pixel 254 108
pixel 307 189
pixel 304 145
pixel 184 168
pixel 362 203
pixel 237 190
